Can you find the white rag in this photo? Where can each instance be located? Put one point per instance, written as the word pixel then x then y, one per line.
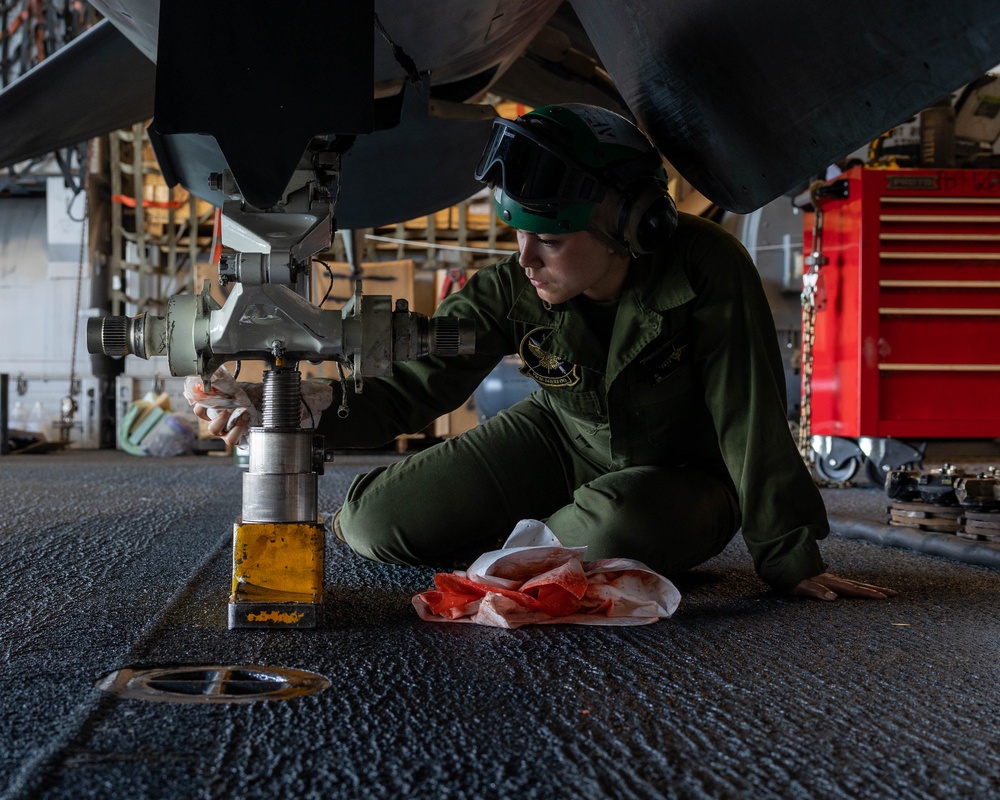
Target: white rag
pixel 533 579
pixel 245 398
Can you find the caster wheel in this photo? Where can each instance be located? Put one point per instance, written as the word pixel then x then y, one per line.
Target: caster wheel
pixel 836 474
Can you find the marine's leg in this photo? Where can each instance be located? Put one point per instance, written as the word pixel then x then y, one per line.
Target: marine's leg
pixel 669 518
pixel 450 503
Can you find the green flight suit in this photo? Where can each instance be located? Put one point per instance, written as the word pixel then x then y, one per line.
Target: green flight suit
pixel 656 445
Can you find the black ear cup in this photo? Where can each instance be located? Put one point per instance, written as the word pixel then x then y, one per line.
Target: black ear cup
pixel 648 217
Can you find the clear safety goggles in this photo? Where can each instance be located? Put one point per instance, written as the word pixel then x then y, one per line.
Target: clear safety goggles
pixel 531 172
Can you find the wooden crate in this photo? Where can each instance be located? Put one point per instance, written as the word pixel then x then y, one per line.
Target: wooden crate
pixel 333 287
pixel 458 421
pixel 158 197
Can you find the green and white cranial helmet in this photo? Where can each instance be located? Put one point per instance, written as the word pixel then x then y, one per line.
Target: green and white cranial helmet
pixel 574 167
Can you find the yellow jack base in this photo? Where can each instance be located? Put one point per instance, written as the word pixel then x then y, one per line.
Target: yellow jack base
pixel 274 615
pixel 277 575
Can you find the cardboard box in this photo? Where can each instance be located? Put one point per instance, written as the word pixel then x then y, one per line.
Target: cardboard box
pixel 333 284
pixel 458 421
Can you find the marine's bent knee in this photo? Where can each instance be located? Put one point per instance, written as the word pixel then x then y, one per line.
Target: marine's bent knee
pixel 372 535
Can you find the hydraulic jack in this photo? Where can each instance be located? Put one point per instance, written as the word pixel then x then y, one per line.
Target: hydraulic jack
pixel 279 538
pixel 279 541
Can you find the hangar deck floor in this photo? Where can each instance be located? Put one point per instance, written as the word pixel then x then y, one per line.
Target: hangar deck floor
pixel 110 561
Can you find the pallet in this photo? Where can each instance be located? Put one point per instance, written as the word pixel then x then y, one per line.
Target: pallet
pixel 982 526
pixel 924 516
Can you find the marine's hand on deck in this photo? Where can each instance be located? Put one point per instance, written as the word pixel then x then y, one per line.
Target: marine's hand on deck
pixel 830 587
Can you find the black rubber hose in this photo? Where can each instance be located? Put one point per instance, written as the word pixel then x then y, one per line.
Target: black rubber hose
pixel 947 545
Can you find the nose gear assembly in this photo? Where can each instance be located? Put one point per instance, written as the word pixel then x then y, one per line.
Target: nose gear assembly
pixel 279 539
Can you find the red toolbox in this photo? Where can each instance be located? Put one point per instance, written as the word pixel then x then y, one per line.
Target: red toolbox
pixel 907 323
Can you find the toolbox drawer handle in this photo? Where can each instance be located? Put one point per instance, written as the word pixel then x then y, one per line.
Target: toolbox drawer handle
pixel 957 312
pixel 919 284
pixel 930 255
pixel 939 367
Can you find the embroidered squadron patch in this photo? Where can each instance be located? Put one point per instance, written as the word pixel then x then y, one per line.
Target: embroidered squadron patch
pixel 544 367
pixel 664 361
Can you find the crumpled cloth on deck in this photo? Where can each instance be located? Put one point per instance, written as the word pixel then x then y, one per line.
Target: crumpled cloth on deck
pixel 533 579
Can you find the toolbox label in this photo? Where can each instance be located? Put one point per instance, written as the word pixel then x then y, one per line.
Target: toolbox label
pixel 949 181
pixel 927 182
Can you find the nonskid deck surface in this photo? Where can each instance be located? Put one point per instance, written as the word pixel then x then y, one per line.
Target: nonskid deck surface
pixel 113 562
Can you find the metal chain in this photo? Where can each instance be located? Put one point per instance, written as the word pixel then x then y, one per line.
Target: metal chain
pixel 809 281
pixel 810 287
pixel 69 405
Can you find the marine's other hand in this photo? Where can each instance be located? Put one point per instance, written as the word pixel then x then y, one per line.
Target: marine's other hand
pixel 230 425
pixel 830 587
pixel 230 408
